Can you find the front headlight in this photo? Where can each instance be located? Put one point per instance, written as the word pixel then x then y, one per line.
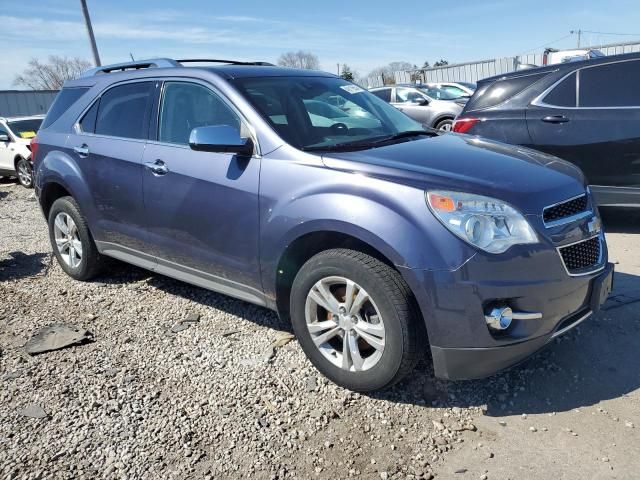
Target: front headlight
pixel 484 222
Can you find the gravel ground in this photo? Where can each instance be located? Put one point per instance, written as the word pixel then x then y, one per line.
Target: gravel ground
pixel 217 400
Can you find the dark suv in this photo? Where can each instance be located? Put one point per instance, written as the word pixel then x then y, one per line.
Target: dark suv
pixel 586 112
pixel 377 239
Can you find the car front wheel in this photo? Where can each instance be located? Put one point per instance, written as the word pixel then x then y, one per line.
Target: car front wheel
pixel 355 319
pixel 24 172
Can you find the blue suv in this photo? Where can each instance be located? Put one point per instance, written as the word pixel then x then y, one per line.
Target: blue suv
pixel 304 193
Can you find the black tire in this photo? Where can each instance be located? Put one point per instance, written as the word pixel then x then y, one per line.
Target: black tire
pixel 392 298
pixel 444 125
pixel 25 181
pixel 91 261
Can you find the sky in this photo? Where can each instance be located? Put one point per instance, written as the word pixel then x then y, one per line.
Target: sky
pixel 362 34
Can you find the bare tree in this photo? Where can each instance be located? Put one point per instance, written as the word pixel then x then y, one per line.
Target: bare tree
pixel 299 59
pixel 52 74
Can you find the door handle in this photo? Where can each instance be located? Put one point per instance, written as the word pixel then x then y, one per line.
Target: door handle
pixel 555 119
pixel 157 168
pixel 82 150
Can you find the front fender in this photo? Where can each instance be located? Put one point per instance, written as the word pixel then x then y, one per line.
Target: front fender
pixel 298 198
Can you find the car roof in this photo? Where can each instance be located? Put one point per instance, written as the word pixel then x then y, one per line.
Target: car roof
pixel 228 69
pixel 567 67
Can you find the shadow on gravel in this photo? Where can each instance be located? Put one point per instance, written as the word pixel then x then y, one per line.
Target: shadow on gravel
pixel 3 194
pixel 21 265
pixel 596 361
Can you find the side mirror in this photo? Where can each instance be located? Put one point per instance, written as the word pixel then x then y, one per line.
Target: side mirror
pixel 221 139
pixel 4 138
pixel 420 101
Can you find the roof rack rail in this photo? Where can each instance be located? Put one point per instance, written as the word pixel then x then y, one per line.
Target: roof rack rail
pixel 231 62
pixel 121 67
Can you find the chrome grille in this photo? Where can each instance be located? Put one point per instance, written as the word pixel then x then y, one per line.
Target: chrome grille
pixel 582 256
pixel 566 209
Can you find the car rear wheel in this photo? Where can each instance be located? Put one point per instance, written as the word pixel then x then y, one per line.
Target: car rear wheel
pixel 72 242
pixel 24 172
pixel 355 319
pixel 445 125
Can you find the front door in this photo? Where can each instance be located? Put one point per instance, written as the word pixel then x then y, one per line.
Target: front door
pixel 6 153
pixel 414 104
pixel 201 208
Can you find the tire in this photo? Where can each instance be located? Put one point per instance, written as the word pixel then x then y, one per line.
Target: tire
pixel 444 125
pixel 390 311
pixel 86 263
pixel 24 172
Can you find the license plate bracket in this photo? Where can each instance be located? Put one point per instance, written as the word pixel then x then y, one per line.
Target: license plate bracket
pixel 601 288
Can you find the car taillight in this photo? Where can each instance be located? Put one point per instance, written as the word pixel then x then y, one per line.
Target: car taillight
pixel 33 146
pixel 464 124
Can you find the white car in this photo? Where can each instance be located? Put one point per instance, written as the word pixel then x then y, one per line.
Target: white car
pixel 460 89
pixel 15 152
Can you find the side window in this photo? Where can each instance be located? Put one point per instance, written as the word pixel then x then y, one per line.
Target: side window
pixel 564 94
pixel 88 122
pixel 186 106
pixel 613 85
pixel 383 94
pixel 501 90
pixel 124 111
pixel 408 95
pixel 64 100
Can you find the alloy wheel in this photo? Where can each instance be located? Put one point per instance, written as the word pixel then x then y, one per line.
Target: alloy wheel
pixel 67 239
pixel 24 173
pixel 345 324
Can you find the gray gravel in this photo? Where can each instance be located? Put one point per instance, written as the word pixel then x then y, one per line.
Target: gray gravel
pixel 181 382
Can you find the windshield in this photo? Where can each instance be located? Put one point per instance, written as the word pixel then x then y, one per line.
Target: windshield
pixel 315 113
pixel 25 128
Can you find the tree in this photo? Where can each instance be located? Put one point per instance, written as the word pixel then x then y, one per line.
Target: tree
pixel 441 63
pixel 299 59
pixel 426 65
pixel 346 73
pixel 52 74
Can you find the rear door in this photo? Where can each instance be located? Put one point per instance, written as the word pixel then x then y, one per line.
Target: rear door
pixel 592 118
pixel 201 208
pixel 108 146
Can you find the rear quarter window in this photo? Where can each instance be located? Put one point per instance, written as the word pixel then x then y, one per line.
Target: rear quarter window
pixel 64 100
pixel 499 91
pixel 563 94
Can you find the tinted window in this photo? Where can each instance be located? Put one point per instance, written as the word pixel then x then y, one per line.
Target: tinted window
pixel 384 94
pixel 613 85
pixel 124 111
pixel 564 94
pixel 186 106
pixel 66 98
pixel 491 94
pixel 88 122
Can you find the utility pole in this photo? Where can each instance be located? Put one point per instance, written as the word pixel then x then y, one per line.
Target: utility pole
pixel 92 38
pixel 579 32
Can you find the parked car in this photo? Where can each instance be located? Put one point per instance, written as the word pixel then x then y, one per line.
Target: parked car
pixel 378 243
pixel 15 150
pixel 552 56
pixel 415 102
pixel 585 112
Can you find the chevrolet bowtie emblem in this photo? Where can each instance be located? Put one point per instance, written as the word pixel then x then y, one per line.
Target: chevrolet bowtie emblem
pixel 594 225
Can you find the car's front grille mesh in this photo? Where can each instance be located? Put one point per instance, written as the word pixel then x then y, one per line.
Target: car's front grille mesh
pixel 565 209
pixel 581 256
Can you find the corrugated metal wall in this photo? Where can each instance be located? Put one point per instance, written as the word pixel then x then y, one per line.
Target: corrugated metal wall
pixel 15 103
pixel 474 71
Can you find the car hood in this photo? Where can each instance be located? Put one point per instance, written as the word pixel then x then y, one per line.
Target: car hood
pixel 526 179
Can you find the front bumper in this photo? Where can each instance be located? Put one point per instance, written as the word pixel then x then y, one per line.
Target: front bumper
pixel 453 306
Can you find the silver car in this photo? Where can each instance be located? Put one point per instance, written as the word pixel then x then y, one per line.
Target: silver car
pixel 415 103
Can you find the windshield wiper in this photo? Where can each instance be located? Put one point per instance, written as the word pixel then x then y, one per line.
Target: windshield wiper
pixel 371 142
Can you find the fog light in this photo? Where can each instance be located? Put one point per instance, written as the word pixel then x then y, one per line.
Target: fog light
pixel 499 318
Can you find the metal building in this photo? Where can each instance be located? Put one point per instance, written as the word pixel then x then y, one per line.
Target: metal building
pixel 16 103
